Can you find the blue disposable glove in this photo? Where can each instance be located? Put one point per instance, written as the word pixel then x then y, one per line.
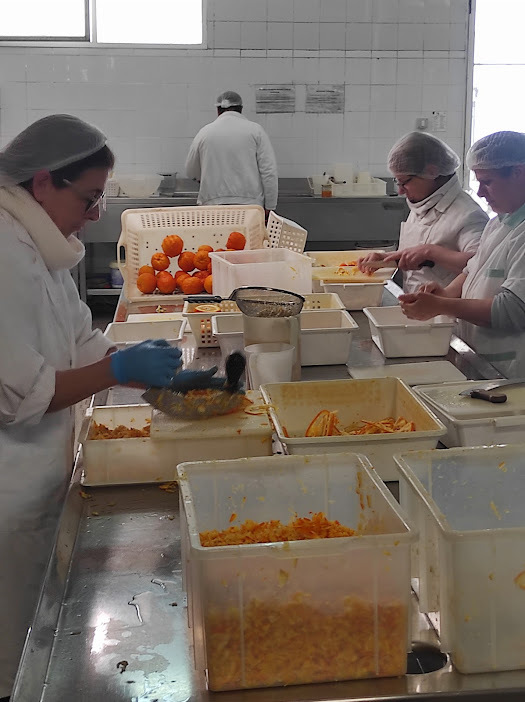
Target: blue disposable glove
pixel 186 380
pixel 152 363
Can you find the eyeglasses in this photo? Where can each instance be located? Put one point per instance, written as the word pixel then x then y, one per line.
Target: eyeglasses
pixel 91 202
pixel 400 184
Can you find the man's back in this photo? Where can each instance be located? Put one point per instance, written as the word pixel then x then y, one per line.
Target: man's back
pixel 235 163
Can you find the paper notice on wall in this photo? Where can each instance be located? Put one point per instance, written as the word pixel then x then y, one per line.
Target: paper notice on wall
pixel 275 98
pixel 325 98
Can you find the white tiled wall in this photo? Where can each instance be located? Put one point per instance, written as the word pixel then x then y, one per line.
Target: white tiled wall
pixel 398 59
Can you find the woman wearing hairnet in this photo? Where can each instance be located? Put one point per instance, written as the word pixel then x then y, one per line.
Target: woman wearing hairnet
pixel 52 179
pixel 488 297
pixel 444 224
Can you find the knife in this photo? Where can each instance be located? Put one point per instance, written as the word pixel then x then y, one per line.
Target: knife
pixel 494 384
pixel 376 265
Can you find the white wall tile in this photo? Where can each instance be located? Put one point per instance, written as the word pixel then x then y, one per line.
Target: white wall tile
pixel 382 97
pixel 435 97
pixel 280 35
pixel 227 10
pixel 385 10
pixel 306 10
pixel 12 67
pixel 280 10
pixel 436 37
pixel 357 124
pixel 253 12
pixel 359 11
pixel 435 71
pixel 457 95
pixel 253 35
pixel 410 37
pixel 358 71
pixel 409 71
pixel 411 11
pixel 382 124
pixel 359 36
pixel 305 35
pixel 438 10
pixel 459 10
pixel 384 37
pixel 409 97
pixel 332 36
pixel 458 36
pixel 331 70
pixel 333 10
pixel 379 148
pixel 357 98
pixel 227 35
pixel 384 71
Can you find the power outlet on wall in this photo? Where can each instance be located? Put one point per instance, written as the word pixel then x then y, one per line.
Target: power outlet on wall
pixel 439 122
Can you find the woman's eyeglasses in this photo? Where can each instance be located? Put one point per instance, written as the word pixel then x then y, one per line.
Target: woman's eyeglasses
pixel 401 184
pixel 91 202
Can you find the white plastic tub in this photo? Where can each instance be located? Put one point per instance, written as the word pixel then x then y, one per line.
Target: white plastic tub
pixel 128 333
pixel 332 609
pixel 333 267
pixel 468 506
pixel 472 422
pixel 294 406
pixel 356 296
pixel 171 441
pixel 326 335
pixel 396 336
pixel 273 268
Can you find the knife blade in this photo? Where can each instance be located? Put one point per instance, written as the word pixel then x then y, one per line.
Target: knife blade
pixel 376 265
pixel 493 385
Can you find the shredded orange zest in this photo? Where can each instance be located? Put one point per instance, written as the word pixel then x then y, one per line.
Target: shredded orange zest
pixel 326 423
pixel 233 517
pixel 300 641
pixel 257 409
pixel 101 431
pixel 168 487
pixel 298 529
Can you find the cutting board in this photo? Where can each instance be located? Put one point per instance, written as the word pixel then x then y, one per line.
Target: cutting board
pixel 412 373
pixel 446 397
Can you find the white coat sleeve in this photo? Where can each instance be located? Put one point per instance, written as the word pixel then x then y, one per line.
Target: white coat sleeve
pixel 91 344
pixel 193 161
pixel 515 278
pixel 268 170
pixel 470 233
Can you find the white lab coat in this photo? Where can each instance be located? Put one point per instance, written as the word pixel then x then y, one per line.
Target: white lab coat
pixel 44 327
pixel 235 163
pixel 499 263
pixel 449 218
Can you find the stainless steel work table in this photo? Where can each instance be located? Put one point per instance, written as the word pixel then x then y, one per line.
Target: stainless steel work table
pixel 111 624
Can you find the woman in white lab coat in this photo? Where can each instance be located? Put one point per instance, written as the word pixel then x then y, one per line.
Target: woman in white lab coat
pixel 444 225
pixel 488 297
pixel 52 179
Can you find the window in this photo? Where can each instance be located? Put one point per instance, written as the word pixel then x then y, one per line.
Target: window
pixel 162 22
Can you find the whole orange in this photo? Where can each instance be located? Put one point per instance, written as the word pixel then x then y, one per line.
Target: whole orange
pixel 209 268
pixel 146 269
pixel 160 261
pixel 202 258
pixel 146 283
pixel 200 274
pixel 236 241
pixel 179 275
pixel 191 285
pixel 166 283
pixel 172 245
pixel 205 247
pixel 208 284
pixel 186 261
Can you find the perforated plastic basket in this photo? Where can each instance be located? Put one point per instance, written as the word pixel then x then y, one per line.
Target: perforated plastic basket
pixel 144 229
pixel 285 234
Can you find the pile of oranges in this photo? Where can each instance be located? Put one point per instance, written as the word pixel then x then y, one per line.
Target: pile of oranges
pixel 157 276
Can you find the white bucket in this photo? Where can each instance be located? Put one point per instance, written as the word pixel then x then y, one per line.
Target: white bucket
pixel 269 363
pixel 316 183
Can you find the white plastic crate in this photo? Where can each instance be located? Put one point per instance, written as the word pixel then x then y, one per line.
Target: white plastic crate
pixel 127 333
pixel 154 317
pixel 285 234
pixel 326 335
pixel 144 229
pixel 356 296
pixel 294 406
pixel 471 422
pixel 330 266
pixel 467 505
pixel 200 322
pixel 342 601
pixel 273 268
pixel 397 336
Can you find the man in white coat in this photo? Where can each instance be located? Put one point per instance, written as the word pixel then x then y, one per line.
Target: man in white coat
pixel 444 225
pixel 233 159
pixel 488 297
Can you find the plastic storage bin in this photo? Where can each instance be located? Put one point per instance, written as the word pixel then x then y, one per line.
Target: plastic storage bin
pixel 144 229
pixel 299 611
pixel 468 505
pixel 396 336
pixel 473 422
pixel 285 234
pixel 172 441
pixel 326 265
pixel 356 296
pixel 294 405
pixel 273 268
pixel 127 333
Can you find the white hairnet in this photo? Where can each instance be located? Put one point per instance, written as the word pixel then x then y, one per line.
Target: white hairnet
pixel 50 143
pixel 423 155
pixel 497 151
pixel 229 99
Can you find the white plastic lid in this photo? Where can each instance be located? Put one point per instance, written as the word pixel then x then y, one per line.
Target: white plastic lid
pixel 446 397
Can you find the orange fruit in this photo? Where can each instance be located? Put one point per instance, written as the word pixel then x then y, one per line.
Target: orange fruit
pixel 160 261
pixel 236 241
pixel 205 247
pixel 202 258
pixel 220 250
pixel 186 261
pixel 179 275
pixel 208 284
pixel 146 269
pixel 200 274
pixel 166 283
pixel 191 285
pixel 172 245
pixel 146 283
pixel 209 268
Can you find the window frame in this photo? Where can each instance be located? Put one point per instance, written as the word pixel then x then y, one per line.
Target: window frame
pixel 90 40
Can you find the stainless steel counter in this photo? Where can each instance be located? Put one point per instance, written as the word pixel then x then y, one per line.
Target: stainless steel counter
pixel 111 623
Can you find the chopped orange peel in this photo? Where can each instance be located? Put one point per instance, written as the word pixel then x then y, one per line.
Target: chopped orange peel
pixel 326 423
pixel 101 431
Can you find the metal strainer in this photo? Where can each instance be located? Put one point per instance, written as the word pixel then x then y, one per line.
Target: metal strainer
pixel 267 302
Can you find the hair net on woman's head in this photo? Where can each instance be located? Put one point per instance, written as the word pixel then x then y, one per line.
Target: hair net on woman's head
pixel 50 143
pixel 423 155
pixel 229 99
pixel 497 151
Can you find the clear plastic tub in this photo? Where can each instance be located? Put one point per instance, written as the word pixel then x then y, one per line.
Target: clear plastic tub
pixel 356 296
pixel 468 506
pixel 328 266
pixel 300 611
pixel 273 268
pixel 294 405
pixel 128 333
pixel 397 336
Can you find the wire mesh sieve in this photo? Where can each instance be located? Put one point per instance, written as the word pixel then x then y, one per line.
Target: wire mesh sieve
pixel 267 302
